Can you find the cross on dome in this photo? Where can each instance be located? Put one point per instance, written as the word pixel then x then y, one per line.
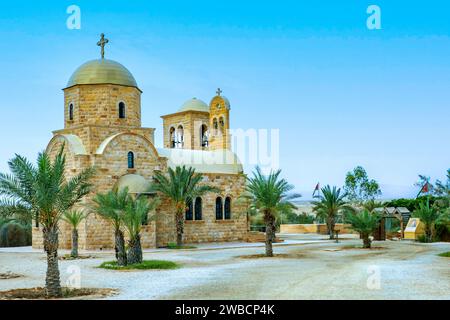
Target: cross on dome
pixel 102 44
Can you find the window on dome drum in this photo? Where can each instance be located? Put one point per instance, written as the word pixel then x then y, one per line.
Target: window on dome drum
pixel 130 160
pixel 204 136
pixel 227 208
pixel 71 112
pixel 180 137
pixel 122 110
pixel 173 138
pixel 219 209
pixel 189 210
pixel 198 208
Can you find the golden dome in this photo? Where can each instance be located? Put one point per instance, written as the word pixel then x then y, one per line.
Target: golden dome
pixel 102 71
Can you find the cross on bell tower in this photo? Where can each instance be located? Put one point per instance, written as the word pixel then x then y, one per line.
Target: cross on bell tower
pixel 102 44
pixel 219 91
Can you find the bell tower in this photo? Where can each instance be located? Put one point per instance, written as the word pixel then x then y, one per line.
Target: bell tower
pixel 219 122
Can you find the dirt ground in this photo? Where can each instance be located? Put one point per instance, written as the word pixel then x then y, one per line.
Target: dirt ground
pixel 317 270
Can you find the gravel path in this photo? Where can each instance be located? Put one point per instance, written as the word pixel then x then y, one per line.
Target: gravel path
pixel 311 270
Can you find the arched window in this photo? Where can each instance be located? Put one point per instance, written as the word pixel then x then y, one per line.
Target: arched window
pixel 122 110
pixel 180 137
pixel 71 112
pixel 173 138
pixel 219 209
pixel 198 208
pixel 204 136
pixel 227 208
pixel 215 126
pixel 189 210
pixel 130 160
pixel 221 123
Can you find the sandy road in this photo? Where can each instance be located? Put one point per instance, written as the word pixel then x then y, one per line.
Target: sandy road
pixel 322 270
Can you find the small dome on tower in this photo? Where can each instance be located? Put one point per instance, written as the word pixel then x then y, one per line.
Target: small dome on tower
pixel 194 104
pixel 102 71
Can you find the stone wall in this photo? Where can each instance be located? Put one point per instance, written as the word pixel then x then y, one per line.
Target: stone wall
pixel 98 104
pixel 208 229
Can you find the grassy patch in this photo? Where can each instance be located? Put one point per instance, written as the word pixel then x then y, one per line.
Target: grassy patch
pixel 145 265
pixel 174 246
pixel 445 254
pixel 279 255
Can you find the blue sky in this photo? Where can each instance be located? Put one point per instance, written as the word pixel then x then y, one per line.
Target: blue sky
pixel 342 95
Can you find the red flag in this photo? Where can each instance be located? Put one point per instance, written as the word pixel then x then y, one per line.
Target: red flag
pixel 316 189
pixel 425 189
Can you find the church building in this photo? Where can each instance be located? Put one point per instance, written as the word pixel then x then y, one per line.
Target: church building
pixel 103 129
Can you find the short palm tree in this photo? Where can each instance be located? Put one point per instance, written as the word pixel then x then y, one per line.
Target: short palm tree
pixel 270 196
pixel 136 211
pixel 74 218
pixel 111 206
pixel 428 215
pixel 45 192
pixel 364 222
pixel 179 186
pixel 330 205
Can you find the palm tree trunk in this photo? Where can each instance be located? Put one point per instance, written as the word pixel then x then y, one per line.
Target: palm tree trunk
pixel 367 244
pixel 270 231
pixel 331 224
pixel 52 280
pixel 74 253
pixel 135 250
pixel 121 254
pixel 428 233
pixel 180 227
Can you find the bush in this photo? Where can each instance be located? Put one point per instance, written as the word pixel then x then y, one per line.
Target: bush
pixel 145 265
pixel 13 234
pixel 412 204
pixel 422 238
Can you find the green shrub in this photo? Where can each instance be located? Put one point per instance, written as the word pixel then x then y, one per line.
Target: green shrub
pixel 422 238
pixel 144 265
pixel 13 234
pixel 445 254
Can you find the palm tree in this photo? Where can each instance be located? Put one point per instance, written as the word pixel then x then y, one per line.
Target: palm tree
pixel 136 211
pixel 330 205
pixel 428 215
pixel 181 185
pixel 45 192
pixel 364 223
pixel 74 218
pixel 111 206
pixel 270 196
